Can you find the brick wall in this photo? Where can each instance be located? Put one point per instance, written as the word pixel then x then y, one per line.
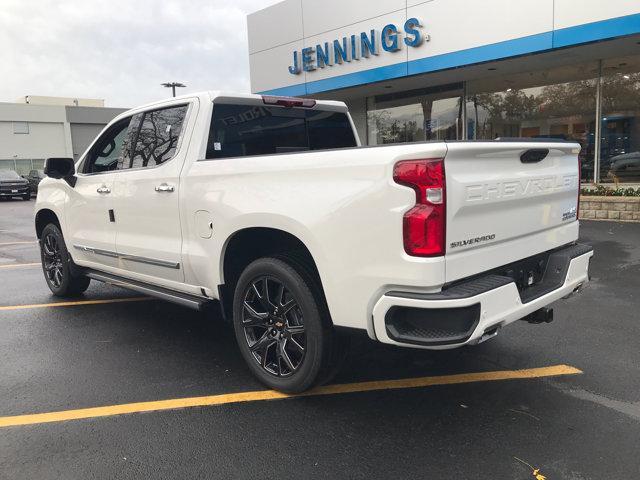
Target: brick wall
pixel 610 208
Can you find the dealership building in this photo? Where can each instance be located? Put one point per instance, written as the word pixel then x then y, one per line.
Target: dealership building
pixel 415 70
pixel 36 127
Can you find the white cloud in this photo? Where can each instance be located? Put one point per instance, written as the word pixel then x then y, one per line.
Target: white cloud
pixel 122 50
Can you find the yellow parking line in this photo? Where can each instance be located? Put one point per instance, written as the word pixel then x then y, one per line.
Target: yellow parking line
pixel 17 243
pixel 78 302
pixel 17 265
pixel 262 395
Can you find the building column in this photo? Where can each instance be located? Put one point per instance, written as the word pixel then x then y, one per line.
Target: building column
pixel 465 124
pixel 598 129
pixel 68 143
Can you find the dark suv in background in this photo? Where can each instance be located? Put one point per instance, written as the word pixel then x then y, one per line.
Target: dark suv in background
pixel 34 178
pixel 13 185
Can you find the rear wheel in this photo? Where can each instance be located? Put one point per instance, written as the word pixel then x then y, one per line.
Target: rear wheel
pixel 282 325
pixel 58 266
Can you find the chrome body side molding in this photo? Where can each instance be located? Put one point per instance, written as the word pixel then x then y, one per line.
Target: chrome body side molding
pixel 97 251
pixel 132 258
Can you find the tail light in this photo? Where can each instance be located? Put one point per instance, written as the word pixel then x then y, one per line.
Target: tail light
pixel 424 226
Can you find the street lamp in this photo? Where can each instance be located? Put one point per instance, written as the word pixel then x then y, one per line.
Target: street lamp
pixel 173 85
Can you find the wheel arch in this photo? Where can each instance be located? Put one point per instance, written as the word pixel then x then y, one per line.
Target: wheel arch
pixel 44 217
pixel 248 244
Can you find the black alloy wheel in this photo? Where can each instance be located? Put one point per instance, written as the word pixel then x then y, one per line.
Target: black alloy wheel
pixel 52 260
pixel 63 277
pixel 282 324
pixel 273 326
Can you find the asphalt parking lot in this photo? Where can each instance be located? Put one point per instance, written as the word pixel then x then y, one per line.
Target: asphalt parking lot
pixel 113 349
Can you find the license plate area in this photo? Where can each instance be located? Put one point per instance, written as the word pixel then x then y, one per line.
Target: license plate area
pixel 541 274
pixel 14 191
pixel 528 272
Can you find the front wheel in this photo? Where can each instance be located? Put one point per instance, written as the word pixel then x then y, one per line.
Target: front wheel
pixel 57 264
pixel 282 325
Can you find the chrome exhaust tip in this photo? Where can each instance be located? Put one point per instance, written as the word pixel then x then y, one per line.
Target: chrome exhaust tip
pixel 577 289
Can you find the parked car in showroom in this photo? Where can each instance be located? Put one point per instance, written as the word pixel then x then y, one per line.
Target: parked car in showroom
pixel 13 185
pixel 271 209
pixel 626 165
pixel 34 178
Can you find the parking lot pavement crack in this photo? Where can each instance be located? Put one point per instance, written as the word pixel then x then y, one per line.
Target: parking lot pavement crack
pixel 631 409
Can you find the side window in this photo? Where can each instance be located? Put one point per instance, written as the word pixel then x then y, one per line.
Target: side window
pixel 108 152
pixel 124 161
pixel 157 139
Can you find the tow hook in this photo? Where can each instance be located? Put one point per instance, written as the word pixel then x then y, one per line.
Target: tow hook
pixel 544 315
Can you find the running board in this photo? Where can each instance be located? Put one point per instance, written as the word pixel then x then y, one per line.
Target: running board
pixel 184 299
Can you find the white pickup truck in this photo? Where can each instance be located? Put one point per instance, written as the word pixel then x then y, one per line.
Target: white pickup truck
pixel 269 207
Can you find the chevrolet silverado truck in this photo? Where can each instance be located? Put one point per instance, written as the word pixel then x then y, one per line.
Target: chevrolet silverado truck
pixel 269 208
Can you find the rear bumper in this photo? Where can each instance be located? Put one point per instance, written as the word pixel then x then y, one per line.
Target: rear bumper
pixel 472 311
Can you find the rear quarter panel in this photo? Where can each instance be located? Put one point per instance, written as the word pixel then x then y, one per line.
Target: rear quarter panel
pixel 342 204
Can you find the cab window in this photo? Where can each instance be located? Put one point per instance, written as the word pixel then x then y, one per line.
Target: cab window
pixel 111 151
pixel 157 139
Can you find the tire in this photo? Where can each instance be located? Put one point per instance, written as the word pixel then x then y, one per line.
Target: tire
pixel 27 196
pixel 282 325
pixel 57 265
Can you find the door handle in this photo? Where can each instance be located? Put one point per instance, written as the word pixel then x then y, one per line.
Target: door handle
pixel 103 189
pixel 163 187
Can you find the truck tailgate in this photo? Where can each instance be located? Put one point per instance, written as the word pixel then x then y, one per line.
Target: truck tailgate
pixel 507 201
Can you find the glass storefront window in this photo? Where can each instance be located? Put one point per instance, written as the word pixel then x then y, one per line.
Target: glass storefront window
pixel 415 116
pixel 620 123
pixel 559 102
pixel 565 110
pixel 23 167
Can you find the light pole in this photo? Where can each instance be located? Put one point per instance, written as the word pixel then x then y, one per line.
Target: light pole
pixel 173 85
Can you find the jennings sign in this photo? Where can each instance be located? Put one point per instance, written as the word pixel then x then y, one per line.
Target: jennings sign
pixel 355 47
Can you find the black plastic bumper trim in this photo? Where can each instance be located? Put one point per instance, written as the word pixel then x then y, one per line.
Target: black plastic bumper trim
pixel 432 326
pixel 555 273
pixel 192 301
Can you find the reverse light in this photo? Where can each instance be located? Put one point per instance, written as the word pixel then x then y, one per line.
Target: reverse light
pixel 288 102
pixel 424 226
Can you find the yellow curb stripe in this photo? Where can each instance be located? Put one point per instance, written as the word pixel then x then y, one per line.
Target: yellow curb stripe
pixel 262 395
pixel 17 265
pixel 79 302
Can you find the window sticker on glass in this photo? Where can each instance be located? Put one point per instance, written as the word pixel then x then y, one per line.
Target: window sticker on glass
pixel 217 146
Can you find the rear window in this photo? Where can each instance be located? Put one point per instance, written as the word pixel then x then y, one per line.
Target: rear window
pixel 244 130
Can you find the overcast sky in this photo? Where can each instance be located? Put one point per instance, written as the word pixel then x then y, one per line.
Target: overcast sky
pixel 122 50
